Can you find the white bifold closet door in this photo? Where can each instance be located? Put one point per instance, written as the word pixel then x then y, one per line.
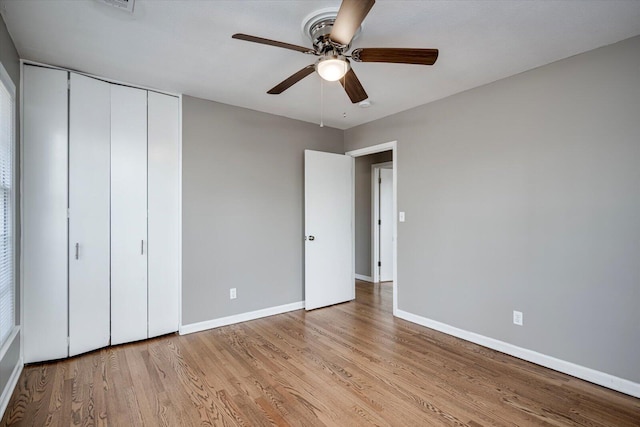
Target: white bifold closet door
pixel 44 219
pixel 128 214
pixel 89 142
pixel 164 213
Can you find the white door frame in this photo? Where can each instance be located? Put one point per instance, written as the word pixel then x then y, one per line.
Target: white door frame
pixel 375 216
pixel 393 146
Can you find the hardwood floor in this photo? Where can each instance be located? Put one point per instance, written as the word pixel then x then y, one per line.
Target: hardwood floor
pixel 350 364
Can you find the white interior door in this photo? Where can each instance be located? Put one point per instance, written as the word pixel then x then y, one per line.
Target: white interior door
pixel 44 213
pixel 386 224
pixel 128 214
pixel 164 214
pixel 89 142
pixel 329 204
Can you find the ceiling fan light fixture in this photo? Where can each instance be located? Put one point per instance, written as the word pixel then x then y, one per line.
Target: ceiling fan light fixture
pixel 332 68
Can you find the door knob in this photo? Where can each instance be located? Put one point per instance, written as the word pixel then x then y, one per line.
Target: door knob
pixel 312 238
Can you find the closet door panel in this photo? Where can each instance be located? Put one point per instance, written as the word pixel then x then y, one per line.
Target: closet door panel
pixel 89 142
pixel 164 213
pixel 128 214
pixel 44 213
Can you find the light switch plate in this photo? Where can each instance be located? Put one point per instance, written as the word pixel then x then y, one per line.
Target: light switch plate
pixel 401 216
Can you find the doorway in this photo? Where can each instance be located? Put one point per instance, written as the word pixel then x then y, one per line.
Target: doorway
pixel 380 148
pixel 382 221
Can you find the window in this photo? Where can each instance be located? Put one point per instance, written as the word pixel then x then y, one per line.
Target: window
pixel 7 142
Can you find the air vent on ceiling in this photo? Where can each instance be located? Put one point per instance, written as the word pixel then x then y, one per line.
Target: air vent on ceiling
pixel 120 4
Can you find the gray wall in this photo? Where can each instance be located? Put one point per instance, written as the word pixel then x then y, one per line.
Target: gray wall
pixel 525 194
pixel 363 242
pixel 243 207
pixel 11 62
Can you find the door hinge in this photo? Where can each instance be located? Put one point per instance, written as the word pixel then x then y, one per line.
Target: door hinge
pixel 379 264
pixel 379 222
pixel 379 180
pixel 68 213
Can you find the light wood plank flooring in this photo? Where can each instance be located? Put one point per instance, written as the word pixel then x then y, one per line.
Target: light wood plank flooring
pixel 350 364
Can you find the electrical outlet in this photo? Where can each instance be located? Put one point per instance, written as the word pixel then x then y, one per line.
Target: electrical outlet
pixel 232 293
pixel 517 318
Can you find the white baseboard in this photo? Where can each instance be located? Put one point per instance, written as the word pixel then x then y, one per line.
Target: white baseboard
pixel 606 380
pixel 237 318
pixel 364 278
pixel 11 385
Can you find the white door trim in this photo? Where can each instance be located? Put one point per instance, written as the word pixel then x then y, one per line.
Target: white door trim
pixel 393 146
pixel 180 324
pixel 375 216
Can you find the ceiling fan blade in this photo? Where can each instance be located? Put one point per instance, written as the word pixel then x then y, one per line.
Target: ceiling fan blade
pixel 349 18
pixel 293 79
pixel 353 87
pixel 396 55
pixel 269 42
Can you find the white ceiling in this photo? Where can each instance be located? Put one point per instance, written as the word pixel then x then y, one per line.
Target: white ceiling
pixel 185 46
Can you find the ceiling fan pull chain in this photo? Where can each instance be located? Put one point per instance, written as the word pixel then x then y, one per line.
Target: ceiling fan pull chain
pixel 321 103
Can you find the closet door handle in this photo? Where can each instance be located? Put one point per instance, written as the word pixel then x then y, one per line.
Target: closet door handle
pixel 77 250
pixel 142 247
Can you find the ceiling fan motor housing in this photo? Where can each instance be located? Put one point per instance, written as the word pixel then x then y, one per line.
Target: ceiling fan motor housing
pixel 320 33
pixel 318 26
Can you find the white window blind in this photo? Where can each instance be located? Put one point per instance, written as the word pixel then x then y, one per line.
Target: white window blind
pixel 7 143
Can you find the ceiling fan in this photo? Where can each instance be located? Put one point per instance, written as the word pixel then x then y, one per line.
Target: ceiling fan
pixel 331 36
